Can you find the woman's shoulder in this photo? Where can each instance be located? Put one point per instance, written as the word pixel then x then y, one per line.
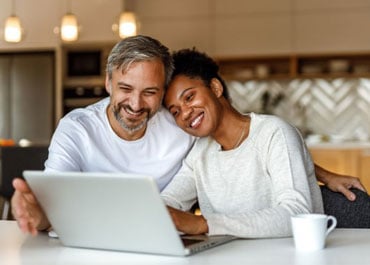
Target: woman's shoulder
pixel 270 122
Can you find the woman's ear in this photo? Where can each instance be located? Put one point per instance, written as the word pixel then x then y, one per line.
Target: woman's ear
pixel 217 87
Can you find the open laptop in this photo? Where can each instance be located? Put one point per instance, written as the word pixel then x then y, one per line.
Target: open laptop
pixel 112 211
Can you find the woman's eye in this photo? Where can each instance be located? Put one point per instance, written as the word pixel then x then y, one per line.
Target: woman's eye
pixel 174 113
pixel 189 97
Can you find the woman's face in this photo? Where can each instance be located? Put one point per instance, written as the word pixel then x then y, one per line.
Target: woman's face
pixel 195 107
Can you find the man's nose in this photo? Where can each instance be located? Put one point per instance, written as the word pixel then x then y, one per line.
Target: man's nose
pixel 136 102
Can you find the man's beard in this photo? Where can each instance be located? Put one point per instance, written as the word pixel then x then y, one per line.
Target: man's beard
pixel 124 125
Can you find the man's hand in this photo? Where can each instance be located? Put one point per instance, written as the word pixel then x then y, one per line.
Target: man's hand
pixel 26 210
pixel 339 183
pixel 188 223
pixel 343 184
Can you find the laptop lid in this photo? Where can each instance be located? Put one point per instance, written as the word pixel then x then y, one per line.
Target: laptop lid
pixel 114 211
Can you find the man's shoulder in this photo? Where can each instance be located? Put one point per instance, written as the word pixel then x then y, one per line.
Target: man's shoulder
pixel 163 117
pixel 90 115
pixel 93 110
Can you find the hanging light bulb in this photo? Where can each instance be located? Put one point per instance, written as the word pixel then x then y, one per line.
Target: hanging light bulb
pixel 13 29
pixel 127 24
pixel 69 27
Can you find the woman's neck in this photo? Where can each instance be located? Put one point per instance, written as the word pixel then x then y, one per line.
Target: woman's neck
pixel 233 128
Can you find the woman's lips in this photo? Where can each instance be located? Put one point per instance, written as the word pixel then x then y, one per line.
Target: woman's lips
pixel 197 121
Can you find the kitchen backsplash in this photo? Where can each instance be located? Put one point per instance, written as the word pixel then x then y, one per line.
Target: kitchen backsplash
pixel 335 107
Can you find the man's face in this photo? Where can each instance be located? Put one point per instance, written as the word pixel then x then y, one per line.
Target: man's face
pixel 136 95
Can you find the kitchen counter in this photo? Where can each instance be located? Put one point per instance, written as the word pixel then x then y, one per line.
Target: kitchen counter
pixel 339 145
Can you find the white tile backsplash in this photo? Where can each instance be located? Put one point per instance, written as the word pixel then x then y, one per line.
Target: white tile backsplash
pixel 321 106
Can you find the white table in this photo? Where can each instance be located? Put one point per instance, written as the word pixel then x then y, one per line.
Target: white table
pixel 344 246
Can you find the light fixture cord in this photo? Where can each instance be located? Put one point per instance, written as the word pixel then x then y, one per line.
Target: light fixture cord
pixel 13 8
pixel 69 6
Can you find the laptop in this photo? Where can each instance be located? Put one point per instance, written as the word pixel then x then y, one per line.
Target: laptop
pixel 112 211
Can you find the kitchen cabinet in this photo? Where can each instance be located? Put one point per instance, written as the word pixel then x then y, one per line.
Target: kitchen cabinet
pixel 83 72
pixel 365 168
pixel 353 161
pixel 295 66
pixel 27 96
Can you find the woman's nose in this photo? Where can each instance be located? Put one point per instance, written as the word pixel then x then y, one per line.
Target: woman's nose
pixel 186 112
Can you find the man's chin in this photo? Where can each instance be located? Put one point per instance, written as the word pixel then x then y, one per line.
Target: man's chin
pixel 133 127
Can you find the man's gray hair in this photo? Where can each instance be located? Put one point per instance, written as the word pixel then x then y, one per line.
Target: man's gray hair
pixel 136 49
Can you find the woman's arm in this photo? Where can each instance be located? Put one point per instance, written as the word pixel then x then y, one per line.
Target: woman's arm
pixel 339 183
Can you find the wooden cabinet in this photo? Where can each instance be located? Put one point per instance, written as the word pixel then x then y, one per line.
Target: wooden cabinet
pixel 296 66
pixel 365 168
pixel 347 161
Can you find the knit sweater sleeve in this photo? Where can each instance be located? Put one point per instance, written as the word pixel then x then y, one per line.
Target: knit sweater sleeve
pixel 285 170
pixel 181 192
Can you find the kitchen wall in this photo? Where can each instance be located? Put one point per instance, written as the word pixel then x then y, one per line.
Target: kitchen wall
pixel 40 17
pixel 221 28
pixel 243 27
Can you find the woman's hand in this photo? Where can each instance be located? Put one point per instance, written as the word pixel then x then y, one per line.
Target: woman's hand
pixel 188 223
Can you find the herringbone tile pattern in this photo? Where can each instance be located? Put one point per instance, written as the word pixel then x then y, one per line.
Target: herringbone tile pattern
pixel 332 107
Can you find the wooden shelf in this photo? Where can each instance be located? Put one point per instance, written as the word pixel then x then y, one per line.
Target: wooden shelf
pixel 349 65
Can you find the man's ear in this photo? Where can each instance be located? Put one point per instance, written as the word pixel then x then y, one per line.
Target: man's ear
pixel 108 84
pixel 217 87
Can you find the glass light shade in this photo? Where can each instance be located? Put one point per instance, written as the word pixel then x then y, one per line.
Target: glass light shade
pixel 69 28
pixel 13 29
pixel 127 25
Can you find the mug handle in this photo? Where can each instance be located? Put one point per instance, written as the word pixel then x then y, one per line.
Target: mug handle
pixel 333 224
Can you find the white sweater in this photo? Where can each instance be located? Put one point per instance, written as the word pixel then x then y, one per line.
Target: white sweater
pixel 253 190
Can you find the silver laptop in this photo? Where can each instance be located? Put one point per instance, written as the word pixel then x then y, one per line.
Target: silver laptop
pixel 121 212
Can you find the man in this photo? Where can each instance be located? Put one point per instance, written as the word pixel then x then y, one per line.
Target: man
pixel 127 132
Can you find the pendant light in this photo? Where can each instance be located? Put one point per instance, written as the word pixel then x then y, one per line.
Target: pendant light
pixel 128 24
pixel 69 26
pixel 13 28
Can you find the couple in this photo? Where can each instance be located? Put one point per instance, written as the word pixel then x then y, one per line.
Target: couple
pixel 249 173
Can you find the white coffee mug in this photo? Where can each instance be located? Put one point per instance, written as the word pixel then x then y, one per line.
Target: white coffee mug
pixel 310 230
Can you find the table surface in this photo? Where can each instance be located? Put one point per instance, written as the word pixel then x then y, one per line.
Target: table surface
pixel 344 246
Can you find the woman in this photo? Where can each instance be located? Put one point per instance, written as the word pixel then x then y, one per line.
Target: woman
pixel 250 173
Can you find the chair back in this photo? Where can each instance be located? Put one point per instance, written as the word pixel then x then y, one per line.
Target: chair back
pixel 14 160
pixel 349 214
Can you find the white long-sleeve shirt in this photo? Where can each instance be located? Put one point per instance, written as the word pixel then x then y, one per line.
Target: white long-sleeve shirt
pixel 253 190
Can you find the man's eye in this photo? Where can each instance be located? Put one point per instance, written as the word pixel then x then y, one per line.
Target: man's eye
pixel 150 93
pixel 125 88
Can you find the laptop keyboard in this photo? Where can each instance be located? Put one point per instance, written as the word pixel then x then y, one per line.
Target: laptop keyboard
pixel 188 242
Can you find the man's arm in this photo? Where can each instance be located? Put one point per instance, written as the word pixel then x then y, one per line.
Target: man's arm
pixel 339 183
